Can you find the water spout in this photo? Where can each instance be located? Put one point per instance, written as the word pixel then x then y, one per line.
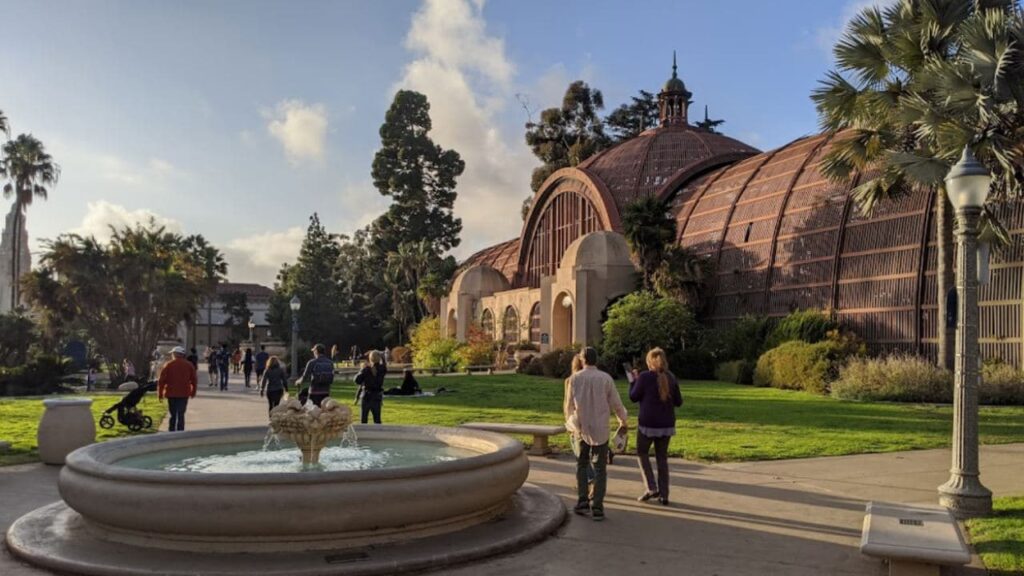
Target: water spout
pixel 310 427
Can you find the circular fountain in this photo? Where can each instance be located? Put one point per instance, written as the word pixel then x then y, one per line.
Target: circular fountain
pixel 129 508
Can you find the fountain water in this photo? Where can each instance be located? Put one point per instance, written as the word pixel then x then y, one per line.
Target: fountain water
pixel 310 427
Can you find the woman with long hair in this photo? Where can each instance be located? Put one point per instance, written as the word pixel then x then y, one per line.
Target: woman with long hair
pixel 656 390
pixel 371 378
pixel 274 382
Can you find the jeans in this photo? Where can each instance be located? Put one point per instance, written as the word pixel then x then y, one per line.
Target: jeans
pixel 274 398
pixel 643 453
pixel 176 407
pixel 371 404
pixel 596 456
pixel 224 378
pixel 248 376
pixel 316 399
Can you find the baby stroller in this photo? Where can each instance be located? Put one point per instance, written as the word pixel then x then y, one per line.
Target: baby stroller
pixel 128 412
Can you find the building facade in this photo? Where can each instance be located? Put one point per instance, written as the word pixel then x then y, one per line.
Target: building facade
pixel 779 235
pixel 209 328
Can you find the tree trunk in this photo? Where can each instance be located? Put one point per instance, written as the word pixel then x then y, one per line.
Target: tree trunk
pixel 944 268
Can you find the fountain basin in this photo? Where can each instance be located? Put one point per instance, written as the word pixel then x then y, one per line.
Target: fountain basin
pixel 311 510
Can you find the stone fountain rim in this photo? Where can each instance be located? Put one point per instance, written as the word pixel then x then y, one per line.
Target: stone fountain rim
pixel 99 459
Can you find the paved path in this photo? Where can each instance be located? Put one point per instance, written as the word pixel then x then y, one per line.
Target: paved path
pixel 791 517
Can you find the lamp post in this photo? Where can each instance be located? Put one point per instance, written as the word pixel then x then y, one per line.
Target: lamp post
pixel 251 326
pixel 967 186
pixel 295 304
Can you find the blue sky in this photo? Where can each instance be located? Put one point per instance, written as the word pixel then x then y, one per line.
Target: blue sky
pixel 238 119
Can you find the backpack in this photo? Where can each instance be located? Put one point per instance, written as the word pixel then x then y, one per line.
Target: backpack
pixel 322 375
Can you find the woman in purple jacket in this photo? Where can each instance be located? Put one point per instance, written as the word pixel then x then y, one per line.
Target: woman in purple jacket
pixel 657 392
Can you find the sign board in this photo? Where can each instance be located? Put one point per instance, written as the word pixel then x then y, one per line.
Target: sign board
pixel 544 338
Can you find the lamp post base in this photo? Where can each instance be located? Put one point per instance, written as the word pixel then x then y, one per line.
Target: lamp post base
pixel 966 497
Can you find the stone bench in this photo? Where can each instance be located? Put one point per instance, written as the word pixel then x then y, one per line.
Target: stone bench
pixel 540 433
pixel 915 539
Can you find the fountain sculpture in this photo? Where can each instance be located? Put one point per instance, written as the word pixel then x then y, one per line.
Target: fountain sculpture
pixel 310 427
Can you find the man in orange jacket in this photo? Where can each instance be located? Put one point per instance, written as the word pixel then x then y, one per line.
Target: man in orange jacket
pixel 177 383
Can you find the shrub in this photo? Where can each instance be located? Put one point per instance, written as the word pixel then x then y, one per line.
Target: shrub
pixel 736 371
pixel 743 340
pixel 800 365
pixel 432 350
pixel 532 367
pixel 901 378
pixel 692 364
pixel 527 346
pixel 641 321
pixel 1001 384
pixel 478 350
pixel 804 325
pixel 44 375
pixel 557 363
pixel 401 355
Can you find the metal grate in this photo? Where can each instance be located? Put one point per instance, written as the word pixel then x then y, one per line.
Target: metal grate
pixel 910 522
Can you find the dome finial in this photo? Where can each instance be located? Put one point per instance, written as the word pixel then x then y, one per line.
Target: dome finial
pixel 674 75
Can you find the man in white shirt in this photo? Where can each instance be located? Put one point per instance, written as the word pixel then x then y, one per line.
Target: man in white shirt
pixel 591 397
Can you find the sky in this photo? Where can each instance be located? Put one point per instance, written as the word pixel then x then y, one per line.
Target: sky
pixel 239 119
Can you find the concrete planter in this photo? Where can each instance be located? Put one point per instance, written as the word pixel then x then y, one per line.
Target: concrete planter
pixel 66 425
pixel 313 510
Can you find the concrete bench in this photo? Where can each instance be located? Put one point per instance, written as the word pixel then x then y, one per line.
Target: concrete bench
pixel 915 539
pixel 540 433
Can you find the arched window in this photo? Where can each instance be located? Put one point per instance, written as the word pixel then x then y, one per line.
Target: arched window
pixel 487 323
pixel 535 323
pixel 510 326
pixel 568 216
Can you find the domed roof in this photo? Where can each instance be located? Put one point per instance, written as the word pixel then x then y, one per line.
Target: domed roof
pixel 641 166
pixel 597 249
pixel 674 84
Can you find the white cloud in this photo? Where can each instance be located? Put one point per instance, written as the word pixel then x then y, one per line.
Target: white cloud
pixel 828 35
pixel 258 258
pixel 301 129
pixel 100 216
pixel 468 79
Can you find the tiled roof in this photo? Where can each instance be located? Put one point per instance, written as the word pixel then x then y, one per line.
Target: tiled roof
pixel 502 257
pixel 250 290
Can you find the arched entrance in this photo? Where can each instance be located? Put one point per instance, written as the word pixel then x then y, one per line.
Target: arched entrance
pixel 451 329
pixel 561 321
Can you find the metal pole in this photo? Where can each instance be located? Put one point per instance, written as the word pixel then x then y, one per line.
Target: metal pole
pixel 295 338
pixel 964 494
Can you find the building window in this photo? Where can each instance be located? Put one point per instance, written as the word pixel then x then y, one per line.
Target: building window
pixel 487 323
pixel 535 323
pixel 510 326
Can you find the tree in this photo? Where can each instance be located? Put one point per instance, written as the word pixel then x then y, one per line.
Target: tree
pixel 683 277
pixel 418 175
pixel 629 120
pixel 236 308
pixel 5 126
pixel 569 134
pixel 126 294
pixel 641 321
pixel 922 80
pixel 17 334
pixel 649 230
pixel 311 278
pixel 29 171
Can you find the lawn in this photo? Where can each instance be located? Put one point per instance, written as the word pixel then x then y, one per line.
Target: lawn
pixel 19 420
pixel 999 540
pixel 718 422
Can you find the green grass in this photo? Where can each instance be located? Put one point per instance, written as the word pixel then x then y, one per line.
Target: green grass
pixel 19 420
pixel 999 540
pixel 718 422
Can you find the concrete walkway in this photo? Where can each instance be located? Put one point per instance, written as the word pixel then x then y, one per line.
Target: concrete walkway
pixel 791 517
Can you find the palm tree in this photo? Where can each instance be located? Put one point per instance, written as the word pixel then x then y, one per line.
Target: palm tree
pixel 903 123
pixel 29 171
pixel 649 231
pixel 683 277
pixel 5 126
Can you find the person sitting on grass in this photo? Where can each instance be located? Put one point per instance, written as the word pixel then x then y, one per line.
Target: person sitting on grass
pixel 410 387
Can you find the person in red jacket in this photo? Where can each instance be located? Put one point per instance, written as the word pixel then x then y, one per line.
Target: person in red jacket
pixel 177 383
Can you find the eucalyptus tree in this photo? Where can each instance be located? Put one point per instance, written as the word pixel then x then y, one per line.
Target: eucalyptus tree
pixel 916 82
pixel 29 172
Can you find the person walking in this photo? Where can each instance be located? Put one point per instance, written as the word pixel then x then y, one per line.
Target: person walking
pixel 211 365
pixel 261 362
pixel 224 366
pixel 247 364
pixel 371 378
pixel 129 371
pixel 177 383
pixel 319 373
pixel 193 357
pixel 274 382
pixel 591 398
pixel 656 391
pixel 236 360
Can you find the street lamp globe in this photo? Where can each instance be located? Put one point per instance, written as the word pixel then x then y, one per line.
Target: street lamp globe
pixel 295 303
pixel 251 324
pixel 567 301
pixel 967 183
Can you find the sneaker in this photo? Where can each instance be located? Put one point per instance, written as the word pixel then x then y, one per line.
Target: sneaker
pixel 597 514
pixel 664 501
pixel 582 508
pixel 647 496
